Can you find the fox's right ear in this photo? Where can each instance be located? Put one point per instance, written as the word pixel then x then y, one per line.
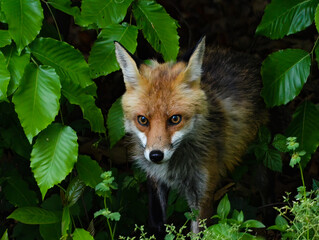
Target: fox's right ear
pixel 128 65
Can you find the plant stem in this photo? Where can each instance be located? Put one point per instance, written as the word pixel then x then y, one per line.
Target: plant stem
pixel 304 187
pixel 303 181
pixel 55 22
pixel 108 222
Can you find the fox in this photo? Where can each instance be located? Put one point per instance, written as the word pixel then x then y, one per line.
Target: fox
pixel 190 122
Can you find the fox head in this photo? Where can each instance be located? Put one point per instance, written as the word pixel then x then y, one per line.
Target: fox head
pixel 163 102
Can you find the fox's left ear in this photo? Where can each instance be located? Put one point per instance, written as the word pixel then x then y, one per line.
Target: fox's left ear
pixel 129 65
pixel 194 67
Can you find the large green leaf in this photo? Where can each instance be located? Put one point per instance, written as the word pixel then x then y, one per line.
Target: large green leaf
pixel 50 231
pixel 53 156
pixel 16 64
pixel 25 20
pixel 115 122
pixel 5 38
pixel 104 12
pixel 102 58
pixel 305 126
pixel 284 73
pixel 4 78
pixel 158 27
pixel 17 191
pixel 37 99
pixel 284 17
pixel 81 234
pixel 91 112
pixel 68 62
pixel 89 171
pixel 34 215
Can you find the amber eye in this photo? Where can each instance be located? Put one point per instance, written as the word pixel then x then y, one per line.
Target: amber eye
pixel 175 119
pixel 142 120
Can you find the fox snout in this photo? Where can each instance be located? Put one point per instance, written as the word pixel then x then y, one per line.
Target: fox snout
pixel 156 156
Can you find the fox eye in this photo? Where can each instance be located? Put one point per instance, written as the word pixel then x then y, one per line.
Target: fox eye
pixel 142 120
pixel 175 119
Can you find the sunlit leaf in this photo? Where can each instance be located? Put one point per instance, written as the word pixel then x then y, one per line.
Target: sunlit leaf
pixel 284 73
pixel 24 18
pixel 67 61
pixel 16 64
pixel 37 99
pixel 102 58
pixel 53 156
pixel 285 17
pixel 104 12
pixel 159 29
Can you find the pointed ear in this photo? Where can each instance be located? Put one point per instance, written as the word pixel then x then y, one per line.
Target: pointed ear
pixel 128 64
pixel 193 70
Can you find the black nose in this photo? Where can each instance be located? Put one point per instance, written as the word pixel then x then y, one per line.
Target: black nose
pixel 156 156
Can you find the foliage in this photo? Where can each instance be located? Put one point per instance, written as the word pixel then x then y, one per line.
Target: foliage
pixel 233 228
pixel 299 219
pixel 285 72
pixel 44 80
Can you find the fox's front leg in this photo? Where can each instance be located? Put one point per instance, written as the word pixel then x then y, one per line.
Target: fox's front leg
pixel 158 194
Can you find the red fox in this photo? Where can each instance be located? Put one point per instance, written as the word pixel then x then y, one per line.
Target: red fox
pixel 190 121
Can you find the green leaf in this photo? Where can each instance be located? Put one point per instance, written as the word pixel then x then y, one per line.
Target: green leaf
pixel 34 215
pixel 113 216
pixel 17 192
pixel 281 222
pixel 280 143
pixel 252 224
pixel 223 207
pixel 159 29
pixel 25 20
pixel 284 73
pixel 305 126
pixel 169 236
pixel 77 95
pixel 66 220
pixel 285 17
pixel 4 78
pixel 317 18
pixel 53 156
pixel 89 171
pixel 272 160
pixel 5 38
pixel 16 64
pixel 102 58
pixel 81 234
pixel 5 235
pixel 68 62
pixel 115 124
pixel 104 12
pixel 37 99
pixel 74 191
pixel 64 6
